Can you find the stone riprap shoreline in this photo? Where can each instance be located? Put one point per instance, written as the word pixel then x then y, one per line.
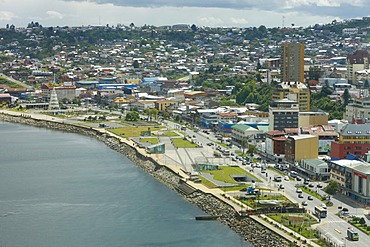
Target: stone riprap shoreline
pixel 252 231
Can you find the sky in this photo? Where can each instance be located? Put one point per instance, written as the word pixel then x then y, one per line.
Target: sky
pixel 211 13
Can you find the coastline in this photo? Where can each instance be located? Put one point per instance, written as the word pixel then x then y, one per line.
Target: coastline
pixel 251 230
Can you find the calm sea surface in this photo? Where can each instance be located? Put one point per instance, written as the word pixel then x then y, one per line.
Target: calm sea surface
pixel 63 189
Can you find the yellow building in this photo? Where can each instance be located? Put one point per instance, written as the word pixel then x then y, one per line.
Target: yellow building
pixel 162 105
pixel 301 147
pixel 306 119
pixel 294 91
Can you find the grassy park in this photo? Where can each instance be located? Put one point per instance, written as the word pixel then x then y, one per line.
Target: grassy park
pixel 226 173
pixel 181 143
pixel 151 140
pixel 134 131
pixel 300 223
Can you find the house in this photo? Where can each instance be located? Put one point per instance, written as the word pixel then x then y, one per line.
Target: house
pixel 5 98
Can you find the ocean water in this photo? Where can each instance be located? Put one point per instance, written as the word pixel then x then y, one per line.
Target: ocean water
pixel 63 189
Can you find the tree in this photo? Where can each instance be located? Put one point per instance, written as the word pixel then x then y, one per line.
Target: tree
pixel 132 116
pixel 194 27
pixel 136 64
pixel 346 97
pixel 332 187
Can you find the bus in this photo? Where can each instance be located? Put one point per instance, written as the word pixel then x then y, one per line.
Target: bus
pixel 321 212
pixel 352 235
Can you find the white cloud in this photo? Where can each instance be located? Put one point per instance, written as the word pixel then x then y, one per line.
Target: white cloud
pixel 7 15
pixel 238 21
pixel 54 14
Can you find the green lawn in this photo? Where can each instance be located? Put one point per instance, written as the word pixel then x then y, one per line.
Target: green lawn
pixel 225 174
pixel 132 131
pixel 235 188
pixel 207 183
pixel 152 140
pixel 181 143
pixel 170 133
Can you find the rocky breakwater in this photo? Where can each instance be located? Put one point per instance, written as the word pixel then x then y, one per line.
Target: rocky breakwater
pixel 250 230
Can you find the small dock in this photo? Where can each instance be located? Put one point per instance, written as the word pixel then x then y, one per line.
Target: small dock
pixel 206 217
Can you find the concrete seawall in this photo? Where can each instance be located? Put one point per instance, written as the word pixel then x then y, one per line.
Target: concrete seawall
pixel 251 230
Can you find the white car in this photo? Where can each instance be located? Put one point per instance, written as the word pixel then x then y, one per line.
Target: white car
pixel 286 178
pixel 298 190
pixel 323 205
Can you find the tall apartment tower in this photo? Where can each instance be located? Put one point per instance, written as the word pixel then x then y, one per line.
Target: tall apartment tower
pixel 292 62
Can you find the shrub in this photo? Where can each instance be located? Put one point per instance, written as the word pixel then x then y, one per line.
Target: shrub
pixel 362 221
pixel 368 228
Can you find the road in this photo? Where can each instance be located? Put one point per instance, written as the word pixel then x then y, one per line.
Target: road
pixel 333 227
pixel 16 81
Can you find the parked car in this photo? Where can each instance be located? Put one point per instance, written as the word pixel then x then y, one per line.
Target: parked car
pixel 319 185
pixel 311 185
pixel 286 178
pixel 310 198
pixel 281 186
pixel 300 195
pixel 323 205
pixel 298 178
pixel 298 190
pixel 304 203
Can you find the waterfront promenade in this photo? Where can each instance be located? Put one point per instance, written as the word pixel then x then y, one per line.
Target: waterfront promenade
pixel 175 167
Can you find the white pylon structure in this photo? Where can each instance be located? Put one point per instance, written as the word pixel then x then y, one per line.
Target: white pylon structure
pixel 54 103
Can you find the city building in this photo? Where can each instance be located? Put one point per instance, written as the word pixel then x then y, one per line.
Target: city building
pixel 162 105
pixel 275 145
pixel 63 91
pixel 241 134
pixel 353 139
pixel 301 147
pixel 338 171
pixel 294 91
pixel 314 168
pixel 283 114
pixel 359 107
pixel 292 62
pixel 357 182
pixel 325 133
pixel 356 62
pixel 306 119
